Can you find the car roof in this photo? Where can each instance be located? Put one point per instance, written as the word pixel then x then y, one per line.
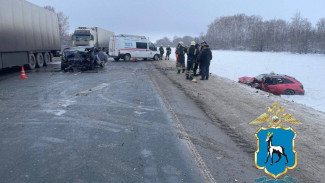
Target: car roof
pixel 278 75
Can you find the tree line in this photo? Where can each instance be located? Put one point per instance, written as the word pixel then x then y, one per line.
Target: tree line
pixel 242 32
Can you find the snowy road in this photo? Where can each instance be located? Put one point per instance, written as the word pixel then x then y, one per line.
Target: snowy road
pixel 308 69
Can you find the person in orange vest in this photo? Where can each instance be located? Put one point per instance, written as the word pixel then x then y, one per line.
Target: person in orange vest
pixel 176 53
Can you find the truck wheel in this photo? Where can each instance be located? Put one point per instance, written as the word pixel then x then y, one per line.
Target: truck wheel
pixel 127 57
pixel 117 59
pixel 31 62
pixel 47 58
pixel 63 66
pixel 51 54
pixel 156 57
pixel 39 60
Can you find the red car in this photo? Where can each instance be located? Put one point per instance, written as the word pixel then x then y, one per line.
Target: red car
pixel 275 83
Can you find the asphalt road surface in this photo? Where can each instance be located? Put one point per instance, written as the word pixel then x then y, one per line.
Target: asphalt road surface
pixel 123 123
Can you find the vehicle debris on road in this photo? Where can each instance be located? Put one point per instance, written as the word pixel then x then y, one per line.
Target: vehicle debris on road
pixel 83 58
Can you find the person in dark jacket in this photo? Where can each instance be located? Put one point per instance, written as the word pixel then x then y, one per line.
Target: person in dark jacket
pixel 201 49
pixel 162 51
pixel 192 53
pixel 205 58
pixel 196 64
pixel 180 58
pixel 168 52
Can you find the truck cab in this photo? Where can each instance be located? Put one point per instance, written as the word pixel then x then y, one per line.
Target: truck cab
pixel 83 37
pixel 93 37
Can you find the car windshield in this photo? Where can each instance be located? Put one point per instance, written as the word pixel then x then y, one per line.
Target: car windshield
pixel 260 77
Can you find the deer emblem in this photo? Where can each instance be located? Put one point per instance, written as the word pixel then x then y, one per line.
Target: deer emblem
pixel 279 150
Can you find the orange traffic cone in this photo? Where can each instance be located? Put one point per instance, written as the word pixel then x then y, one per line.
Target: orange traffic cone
pixel 23 75
pixel 134 59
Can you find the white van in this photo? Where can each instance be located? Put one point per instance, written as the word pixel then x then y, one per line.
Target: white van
pixel 129 46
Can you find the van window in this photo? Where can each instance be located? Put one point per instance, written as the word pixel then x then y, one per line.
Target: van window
pixel 141 45
pixel 152 47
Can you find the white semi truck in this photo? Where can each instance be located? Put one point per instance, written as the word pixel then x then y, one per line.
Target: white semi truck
pixel 92 36
pixel 29 34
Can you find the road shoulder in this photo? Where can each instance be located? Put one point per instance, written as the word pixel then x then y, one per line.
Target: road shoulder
pixel 231 106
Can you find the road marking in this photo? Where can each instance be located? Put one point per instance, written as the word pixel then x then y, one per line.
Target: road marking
pixel 195 154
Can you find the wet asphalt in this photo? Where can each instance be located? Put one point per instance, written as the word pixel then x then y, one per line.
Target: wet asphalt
pixel 107 125
pixel 123 123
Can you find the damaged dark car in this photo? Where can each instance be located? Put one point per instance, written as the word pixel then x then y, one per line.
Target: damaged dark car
pixel 83 58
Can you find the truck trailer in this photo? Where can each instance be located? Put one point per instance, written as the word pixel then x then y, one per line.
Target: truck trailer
pixel 92 36
pixel 29 35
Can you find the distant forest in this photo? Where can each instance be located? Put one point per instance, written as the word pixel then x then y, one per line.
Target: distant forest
pixel 242 32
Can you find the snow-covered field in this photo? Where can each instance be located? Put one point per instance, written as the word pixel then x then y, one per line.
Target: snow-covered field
pixel 308 69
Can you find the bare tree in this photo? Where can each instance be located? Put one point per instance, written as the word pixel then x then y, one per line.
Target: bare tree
pixel 164 41
pixel 320 36
pixel 64 27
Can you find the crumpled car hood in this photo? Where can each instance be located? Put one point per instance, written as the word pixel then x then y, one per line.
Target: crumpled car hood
pixel 77 56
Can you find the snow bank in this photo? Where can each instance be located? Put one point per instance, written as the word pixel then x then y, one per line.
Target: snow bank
pixel 308 69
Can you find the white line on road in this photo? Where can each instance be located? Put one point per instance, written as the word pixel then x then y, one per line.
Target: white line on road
pixel 195 154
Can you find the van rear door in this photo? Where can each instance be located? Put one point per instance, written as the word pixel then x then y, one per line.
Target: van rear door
pixel 114 46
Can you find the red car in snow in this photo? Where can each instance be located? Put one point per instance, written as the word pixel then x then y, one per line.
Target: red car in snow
pixel 275 83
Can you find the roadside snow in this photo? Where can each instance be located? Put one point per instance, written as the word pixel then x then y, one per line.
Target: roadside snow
pixel 308 69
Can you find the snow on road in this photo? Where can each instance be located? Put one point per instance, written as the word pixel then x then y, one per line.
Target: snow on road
pixel 308 69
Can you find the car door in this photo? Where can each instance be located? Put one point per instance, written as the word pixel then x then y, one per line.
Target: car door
pixel 269 85
pixel 151 51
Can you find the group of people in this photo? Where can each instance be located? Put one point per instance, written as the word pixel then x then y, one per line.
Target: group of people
pixel 162 51
pixel 198 58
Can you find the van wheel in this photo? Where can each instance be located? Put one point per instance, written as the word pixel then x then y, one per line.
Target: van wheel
pixel 145 59
pixel 127 57
pixel 156 57
pixel 31 62
pixel 47 58
pixel 117 59
pixel 289 92
pixel 39 60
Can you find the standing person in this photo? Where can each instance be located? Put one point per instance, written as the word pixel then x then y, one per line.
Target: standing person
pixel 191 59
pixel 205 58
pixel 180 58
pixel 201 49
pixel 176 54
pixel 196 64
pixel 168 52
pixel 162 51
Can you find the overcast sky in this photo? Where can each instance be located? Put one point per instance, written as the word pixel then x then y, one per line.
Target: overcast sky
pixel 170 18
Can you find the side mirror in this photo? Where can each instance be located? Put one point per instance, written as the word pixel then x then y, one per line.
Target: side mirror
pixel 92 37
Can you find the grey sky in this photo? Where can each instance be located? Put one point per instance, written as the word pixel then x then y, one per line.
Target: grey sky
pixel 175 17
